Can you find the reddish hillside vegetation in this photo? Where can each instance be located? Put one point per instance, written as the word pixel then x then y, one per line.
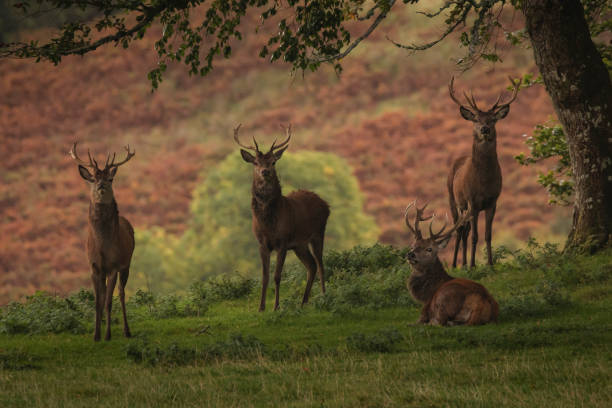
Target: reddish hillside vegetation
pixel 388 114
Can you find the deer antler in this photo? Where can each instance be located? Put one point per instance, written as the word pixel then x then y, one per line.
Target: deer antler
pixel 286 142
pixel 418 218
pixel 515 85
pixel 92 163
pixel 128 157
pixel 464 217
pixel 255 148
pixel 435 236
pixel 471 101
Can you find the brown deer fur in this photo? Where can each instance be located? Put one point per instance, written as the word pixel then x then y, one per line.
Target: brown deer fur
pixel 477 180
pixel 293 222
pixel 446 300
pixel 110 240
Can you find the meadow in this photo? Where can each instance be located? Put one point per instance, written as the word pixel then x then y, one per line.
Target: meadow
pixel 356 346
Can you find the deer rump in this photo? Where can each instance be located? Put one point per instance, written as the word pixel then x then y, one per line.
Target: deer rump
pixel 299 217
pixel 461 301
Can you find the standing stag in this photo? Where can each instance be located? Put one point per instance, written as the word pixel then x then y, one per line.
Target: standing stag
pixel 281 223
pixel 110 241
pixel 446 300
pixel 476 180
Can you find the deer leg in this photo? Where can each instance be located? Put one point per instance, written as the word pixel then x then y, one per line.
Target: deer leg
pixel 317 250
pixel 304 255
pixel 474 227
pixel 489 215
pixel 280 261
pixel 464 239
pixel 112 280
pixel 99 285
pixel 457 245
pixel 123 277
pixel 265 271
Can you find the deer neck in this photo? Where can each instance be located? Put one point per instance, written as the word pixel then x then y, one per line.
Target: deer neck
pixel 104 220
pixel 484 157
pixel 266 198
pixel 426 279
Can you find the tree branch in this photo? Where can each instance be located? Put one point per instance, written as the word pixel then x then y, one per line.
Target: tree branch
pixel 351 47
pixel 446 33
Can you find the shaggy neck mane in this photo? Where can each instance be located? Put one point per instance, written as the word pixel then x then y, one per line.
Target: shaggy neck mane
pixel 425 281
pixel 104 219
pixel 266 198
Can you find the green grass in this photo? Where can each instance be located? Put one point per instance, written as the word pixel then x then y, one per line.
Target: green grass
pixel 551 347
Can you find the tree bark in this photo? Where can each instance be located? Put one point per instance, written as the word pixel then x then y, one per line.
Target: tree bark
pixel 579 85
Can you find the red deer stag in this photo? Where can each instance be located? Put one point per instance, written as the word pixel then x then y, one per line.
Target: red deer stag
pixel 283 223
pixel 477 180
pixel 446 300
pixel 110 240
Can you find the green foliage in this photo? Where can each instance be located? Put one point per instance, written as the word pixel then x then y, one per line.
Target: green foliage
pixel 549 142
pixel 381 341
pixel 219 239
pixel 43 313
pixel 363 277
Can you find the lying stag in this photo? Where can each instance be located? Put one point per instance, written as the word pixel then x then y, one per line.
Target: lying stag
pixel 447 300
pixel 476 180
pixel 283 223
pixel 110 241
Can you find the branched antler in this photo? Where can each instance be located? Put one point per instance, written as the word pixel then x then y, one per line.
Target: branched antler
pixel 441 235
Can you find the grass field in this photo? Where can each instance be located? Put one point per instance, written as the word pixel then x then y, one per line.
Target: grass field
pixel 357 346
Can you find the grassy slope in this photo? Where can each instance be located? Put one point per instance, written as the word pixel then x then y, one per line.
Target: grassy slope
pixel 547 357
pixel 389 114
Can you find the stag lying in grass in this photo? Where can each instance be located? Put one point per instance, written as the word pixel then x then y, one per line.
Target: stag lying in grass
pixel 294 222
pixel 446 300
pixel 477 180
pixel 110 240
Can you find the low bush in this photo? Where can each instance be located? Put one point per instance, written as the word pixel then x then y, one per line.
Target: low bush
pixel 44 313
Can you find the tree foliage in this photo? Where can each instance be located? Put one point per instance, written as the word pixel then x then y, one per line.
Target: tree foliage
pixel 219 239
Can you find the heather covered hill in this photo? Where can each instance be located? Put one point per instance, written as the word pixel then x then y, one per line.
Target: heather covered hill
pixel 388 114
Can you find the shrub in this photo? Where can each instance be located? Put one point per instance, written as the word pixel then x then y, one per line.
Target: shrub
pixel 42 313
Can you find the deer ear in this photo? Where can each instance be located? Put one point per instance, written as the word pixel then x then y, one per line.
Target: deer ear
pixel 442 244
pixel 85 174
pixel 279 153
pixel 467 114
pixel 246 156
pixel 112 172
pixel 502 112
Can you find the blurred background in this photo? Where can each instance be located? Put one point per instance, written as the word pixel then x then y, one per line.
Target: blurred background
pixel 369 141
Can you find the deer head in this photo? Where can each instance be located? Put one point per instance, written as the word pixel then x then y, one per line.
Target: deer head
pixel 101 181
pixel 263 162
pixel 484 121
pixel 425 250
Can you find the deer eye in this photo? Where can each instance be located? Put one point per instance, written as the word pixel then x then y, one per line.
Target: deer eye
pixel 428 249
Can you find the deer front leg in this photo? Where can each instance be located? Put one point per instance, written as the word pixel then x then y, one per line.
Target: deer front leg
pixel 489 215
pixel 99 285
pixel 265 272
pixel 280 261
pixel 112 280
pixel 424 318
pixel 474 228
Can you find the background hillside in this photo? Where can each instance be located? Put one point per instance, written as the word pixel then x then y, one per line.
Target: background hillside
pixel 388 115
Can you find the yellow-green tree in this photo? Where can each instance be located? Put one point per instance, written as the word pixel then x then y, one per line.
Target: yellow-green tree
pixel 219 239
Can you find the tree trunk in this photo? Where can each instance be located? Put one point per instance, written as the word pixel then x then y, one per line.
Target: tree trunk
pixel 579 85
